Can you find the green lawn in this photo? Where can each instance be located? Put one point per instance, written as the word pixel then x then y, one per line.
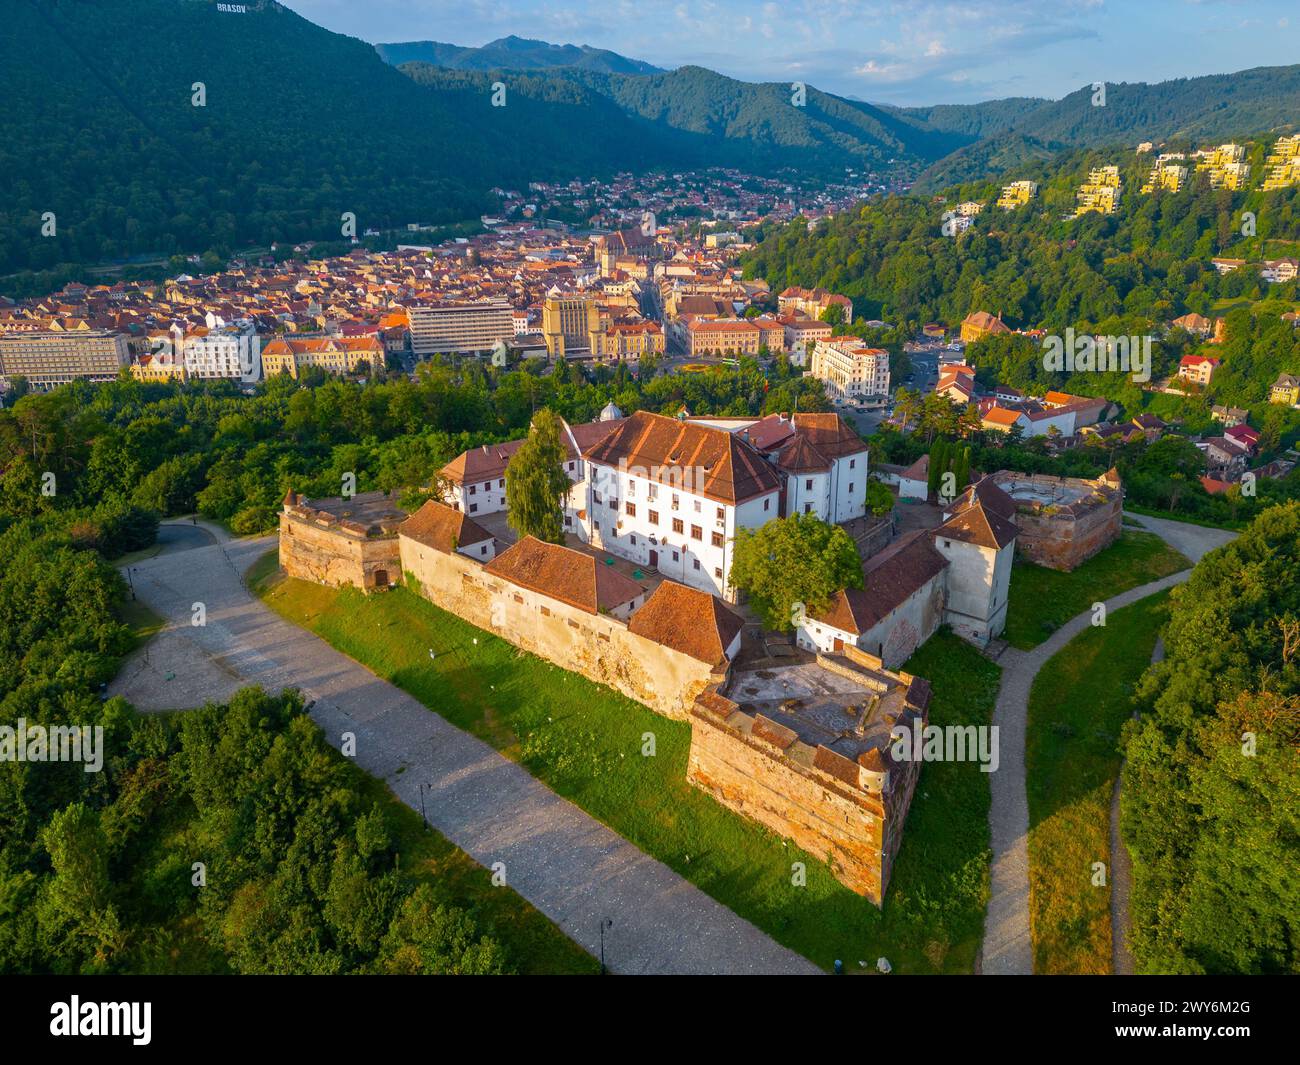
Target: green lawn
pixel 584 741
pixel 1078 704
pixel 142 621
pixel 1042 600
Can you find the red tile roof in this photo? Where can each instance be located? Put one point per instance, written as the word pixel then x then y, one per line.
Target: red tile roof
pixel 570 576
pixel 706 461
pixel 687 620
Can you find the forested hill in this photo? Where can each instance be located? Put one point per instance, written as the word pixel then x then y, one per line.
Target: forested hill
pixel 1128 273
pixel 299 125
pixel 1249 102
pixel 1150 258
pixel 696 117
pixel 512 53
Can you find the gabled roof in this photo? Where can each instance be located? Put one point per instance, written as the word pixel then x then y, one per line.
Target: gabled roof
pixel 987 493
pixel 687 620
pixel 570 576
pixel 890 576
pixel 699 458
pixel 481 463
pixel 978 525
pixel 443 528
pixel 830 434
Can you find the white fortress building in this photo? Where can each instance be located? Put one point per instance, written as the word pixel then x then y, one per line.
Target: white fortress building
pixel 670 494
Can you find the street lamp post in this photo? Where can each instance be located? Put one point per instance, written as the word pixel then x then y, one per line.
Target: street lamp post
pixel 424 816
pixel 605 924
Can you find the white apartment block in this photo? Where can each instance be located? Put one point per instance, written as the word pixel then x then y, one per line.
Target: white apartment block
pixel 850 368
pixel 462 327
pixel 232 352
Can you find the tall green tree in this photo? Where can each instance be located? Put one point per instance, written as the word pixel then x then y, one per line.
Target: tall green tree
pixel 536 483
pixel 792 566
pixel 1211 798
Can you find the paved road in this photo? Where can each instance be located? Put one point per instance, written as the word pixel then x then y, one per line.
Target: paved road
pixel 1007 947
pixel 568 865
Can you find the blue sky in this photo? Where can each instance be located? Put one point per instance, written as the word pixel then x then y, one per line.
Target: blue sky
pixel 903 52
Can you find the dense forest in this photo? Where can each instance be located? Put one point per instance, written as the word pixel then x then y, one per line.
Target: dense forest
pixel 149 128
pixel 1211 797
pixel 1211 108
pixel 1118 274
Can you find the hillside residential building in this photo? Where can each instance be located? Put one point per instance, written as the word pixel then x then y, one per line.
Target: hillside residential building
pixel 1198 369
pixel 1278 271
pixel 50 359
pixel 1283 164
pixel 980 324
pixel 459 327
pixel 850 368
pixel 1100 193
pixel 1017 194
pixel 1286 389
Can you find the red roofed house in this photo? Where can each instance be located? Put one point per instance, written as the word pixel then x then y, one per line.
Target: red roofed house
pixel 1198 369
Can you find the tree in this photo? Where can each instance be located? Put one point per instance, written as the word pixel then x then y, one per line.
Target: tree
pixel 1210 807
pixel 536 483
pixel 792 566
pixel 963 468
pixel 880 500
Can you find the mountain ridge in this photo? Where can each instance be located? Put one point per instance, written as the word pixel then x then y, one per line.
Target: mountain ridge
pixel 512 53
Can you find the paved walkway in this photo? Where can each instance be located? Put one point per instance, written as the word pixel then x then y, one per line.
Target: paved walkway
pixel 1007 947
pixel 571 867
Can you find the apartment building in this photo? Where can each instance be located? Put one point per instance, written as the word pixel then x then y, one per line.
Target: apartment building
pixel 568 322
pixel 1100 193
pixel 50 359
pixel 1017 194
pixel 336 355
pixel 230 352
pixel 1169 176
pixel 850 368
pixel 1283 164
pixel 438 328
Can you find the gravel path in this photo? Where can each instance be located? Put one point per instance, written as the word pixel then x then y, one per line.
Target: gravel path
pixel 571 867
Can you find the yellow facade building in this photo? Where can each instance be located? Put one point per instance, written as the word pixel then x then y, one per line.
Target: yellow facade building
pixel 337 355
